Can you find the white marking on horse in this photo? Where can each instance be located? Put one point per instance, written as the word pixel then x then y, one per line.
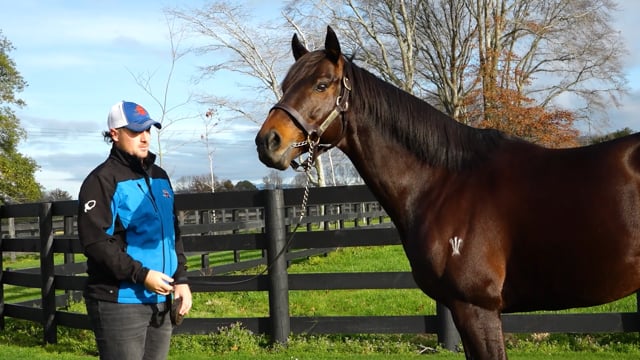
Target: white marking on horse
pixel 456 243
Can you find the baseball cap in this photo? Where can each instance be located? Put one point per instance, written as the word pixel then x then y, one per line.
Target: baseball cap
pixel 130 115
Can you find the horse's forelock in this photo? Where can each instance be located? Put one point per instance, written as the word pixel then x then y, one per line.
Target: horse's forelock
pixel 302 68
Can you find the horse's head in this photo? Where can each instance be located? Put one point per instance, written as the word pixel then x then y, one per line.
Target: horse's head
pixel 309 116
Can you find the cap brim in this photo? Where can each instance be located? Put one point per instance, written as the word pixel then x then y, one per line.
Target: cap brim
pixel 144 126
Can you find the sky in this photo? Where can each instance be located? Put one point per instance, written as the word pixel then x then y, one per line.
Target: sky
pixel 80 57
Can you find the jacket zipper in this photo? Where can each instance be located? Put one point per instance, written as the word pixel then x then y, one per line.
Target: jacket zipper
pixel 155 207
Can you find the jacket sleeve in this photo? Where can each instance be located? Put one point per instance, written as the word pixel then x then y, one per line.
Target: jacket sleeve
pixel 100 232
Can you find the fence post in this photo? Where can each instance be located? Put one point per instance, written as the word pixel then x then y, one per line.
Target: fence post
pixel 47 273
pixel 69 258
pixel 11 222
pixel 448 335
pixel 1 282
pixel 235 218
pixel 277 260
pixel 637 301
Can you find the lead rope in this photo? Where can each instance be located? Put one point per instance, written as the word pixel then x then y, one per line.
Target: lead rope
pixel 308 164
pixel 305 197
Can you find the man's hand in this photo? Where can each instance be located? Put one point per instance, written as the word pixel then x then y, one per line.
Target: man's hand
pixel 183 291
pixel 158 282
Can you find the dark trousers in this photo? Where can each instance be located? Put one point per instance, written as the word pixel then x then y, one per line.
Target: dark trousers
pixel 130 331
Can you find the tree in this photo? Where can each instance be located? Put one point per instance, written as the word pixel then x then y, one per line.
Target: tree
pixel 201 184
pixel 569 45
pixel 193 184
pixel 613 135
pixel 259 53
pixel 515 114
pixel 341 172
pixel 466 55
pixel 240 46
pixel 226 185
pixel 210 120
pixel 382 34
pixel 446 41
pixel 17 171
pixel 245 185
pixel 299 180
pixel 167 107
pixel 56 195
pixel 273 180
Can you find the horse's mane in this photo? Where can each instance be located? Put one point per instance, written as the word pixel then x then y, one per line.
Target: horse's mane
pixel 430 134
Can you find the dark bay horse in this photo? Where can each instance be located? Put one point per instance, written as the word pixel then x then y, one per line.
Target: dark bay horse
pixel 489 223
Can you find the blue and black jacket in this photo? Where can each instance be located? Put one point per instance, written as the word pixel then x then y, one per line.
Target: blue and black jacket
pixel 127 226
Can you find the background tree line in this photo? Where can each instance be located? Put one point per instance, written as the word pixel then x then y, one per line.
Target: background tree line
pixel 532 68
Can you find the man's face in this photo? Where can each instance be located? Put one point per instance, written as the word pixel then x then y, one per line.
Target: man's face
pixel 131 142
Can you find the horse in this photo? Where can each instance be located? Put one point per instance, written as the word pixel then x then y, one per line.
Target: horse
pixel 490 223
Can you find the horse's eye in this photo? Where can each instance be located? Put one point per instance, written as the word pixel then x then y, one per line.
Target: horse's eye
pixel 321 87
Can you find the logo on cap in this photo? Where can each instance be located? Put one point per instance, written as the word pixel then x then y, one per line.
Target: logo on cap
pixel 141 111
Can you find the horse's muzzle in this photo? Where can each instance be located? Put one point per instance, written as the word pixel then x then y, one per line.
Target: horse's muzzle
pixel 268 147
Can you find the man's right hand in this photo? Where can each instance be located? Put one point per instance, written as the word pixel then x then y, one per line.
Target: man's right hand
pixel 158 282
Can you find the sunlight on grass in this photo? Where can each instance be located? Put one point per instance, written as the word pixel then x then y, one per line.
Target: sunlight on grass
pixel 22 339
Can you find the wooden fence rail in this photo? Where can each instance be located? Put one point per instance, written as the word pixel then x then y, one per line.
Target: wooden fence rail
pixel 268 228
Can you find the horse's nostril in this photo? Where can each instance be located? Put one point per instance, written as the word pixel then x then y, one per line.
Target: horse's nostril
pixel 273 140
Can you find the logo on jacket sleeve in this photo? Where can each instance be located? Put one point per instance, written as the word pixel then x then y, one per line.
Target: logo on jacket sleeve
pixel 166 193
pixel 89 205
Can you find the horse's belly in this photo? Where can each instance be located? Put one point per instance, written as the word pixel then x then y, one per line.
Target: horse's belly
pixel 571 279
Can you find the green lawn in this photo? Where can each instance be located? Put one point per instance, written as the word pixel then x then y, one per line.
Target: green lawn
pixel 22 339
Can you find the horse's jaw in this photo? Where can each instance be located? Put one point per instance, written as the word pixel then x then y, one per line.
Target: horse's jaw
pixel 279 161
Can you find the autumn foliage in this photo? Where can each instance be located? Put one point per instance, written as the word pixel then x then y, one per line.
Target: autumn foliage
pixel 513 113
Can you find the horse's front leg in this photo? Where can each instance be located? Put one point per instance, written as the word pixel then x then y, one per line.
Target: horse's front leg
pixel 480 330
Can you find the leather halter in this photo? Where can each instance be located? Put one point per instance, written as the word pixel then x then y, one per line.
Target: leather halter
pixel 314 132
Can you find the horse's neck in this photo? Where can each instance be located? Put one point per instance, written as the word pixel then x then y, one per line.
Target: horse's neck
pixel 397 177
pixel 404 162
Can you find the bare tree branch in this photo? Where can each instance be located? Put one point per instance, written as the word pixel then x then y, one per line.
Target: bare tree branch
pixel 144 81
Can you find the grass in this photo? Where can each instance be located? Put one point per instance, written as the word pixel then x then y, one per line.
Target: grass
pixel 23 339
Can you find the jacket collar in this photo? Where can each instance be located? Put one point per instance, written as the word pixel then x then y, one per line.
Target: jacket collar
pixel 131 161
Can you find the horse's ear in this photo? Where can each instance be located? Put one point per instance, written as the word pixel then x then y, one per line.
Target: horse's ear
pixel 297 47
pixel 332 45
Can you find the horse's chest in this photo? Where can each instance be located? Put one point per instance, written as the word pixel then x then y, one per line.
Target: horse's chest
pixel 452 257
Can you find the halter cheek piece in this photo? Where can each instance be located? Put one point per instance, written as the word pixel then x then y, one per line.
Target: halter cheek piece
pixel 314 132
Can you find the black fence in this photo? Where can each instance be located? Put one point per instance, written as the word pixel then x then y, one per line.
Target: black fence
pixel 245 222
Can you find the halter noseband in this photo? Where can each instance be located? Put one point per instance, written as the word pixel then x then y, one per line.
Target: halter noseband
pixel 314 132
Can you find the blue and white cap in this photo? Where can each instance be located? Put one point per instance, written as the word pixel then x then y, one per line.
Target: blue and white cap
pixel 130 115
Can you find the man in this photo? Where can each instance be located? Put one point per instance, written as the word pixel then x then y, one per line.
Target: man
pixel 129 231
